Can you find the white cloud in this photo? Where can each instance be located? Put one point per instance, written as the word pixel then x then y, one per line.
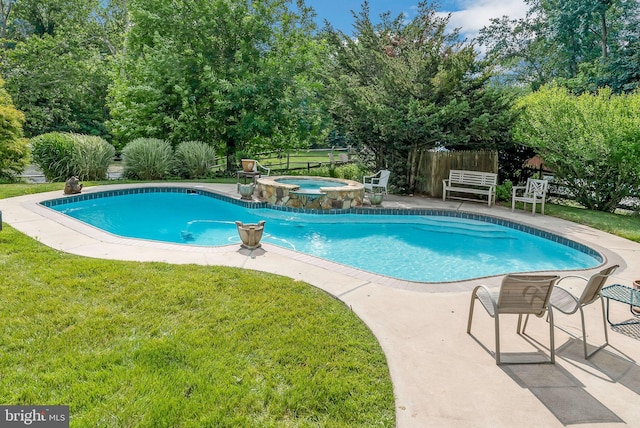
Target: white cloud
pixel 475 14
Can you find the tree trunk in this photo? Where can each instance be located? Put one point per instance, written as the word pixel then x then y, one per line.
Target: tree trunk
pixel 604 35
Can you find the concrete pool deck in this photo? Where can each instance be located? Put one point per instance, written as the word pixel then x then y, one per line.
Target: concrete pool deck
pixel 442 376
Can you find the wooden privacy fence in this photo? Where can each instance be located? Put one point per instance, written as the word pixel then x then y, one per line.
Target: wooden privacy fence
pixel 427 169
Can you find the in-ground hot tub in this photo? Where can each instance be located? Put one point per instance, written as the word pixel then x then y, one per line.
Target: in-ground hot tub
pixel 321 193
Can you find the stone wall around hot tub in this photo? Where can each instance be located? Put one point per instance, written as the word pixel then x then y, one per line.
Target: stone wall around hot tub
pixel 345 197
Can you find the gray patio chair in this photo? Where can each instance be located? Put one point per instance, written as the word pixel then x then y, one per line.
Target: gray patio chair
pixel 518 294
pixel 567 303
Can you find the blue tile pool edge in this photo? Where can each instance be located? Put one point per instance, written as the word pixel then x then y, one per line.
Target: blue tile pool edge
pixel 370 211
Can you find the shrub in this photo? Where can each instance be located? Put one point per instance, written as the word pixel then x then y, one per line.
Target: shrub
pixel 91 157
pixel 53 153
pixel 194 159
pixel 591 142
pixel 349 172
pixel 61 155
pixel 147 159
pixel 503 191
pixel 14 153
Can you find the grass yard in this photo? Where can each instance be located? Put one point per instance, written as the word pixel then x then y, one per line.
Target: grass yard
pixel 301 159
pixel 156 345
pixel 623 225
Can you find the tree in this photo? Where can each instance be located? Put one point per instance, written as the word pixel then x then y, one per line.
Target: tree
pixel 60 83
pixel 591 142
pixel 6 6
pixel 13 147
pixel 57 61
pixel 51 16
pixel 239 73
pixel 574 42
pixel 397 87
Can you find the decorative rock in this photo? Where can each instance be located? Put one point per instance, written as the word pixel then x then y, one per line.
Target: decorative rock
pixel 72 186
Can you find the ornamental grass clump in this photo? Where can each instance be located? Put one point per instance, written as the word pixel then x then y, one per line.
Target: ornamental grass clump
pixel 194 159
pixel 147 159
pixel 61 155
pixel 53 153
pixel 91 157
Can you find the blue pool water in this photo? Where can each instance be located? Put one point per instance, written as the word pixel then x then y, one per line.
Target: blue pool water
pixel 307 184
pixel 410 247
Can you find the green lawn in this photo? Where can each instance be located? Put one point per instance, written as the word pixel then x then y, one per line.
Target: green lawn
pixel 300 159
pixel 623 225
pixel 157 345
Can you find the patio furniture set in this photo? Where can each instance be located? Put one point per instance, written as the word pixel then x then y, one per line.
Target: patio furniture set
pixel 484 184
pixel 540 295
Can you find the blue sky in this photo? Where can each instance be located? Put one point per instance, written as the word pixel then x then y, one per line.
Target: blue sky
pixel 470 15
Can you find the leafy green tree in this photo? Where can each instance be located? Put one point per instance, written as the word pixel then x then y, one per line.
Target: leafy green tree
pixel 237 72
pixel 518 47
pixel 591 142
pixel 14 153
pixel 579 43
pixel 60 83
pixel 397 87
pixel 40 17
pixel 6 7
pixel 57 59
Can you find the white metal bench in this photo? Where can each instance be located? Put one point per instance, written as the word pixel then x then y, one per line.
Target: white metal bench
pixel 476 182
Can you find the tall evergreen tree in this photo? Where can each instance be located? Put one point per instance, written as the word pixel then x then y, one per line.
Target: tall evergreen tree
pixel 397 87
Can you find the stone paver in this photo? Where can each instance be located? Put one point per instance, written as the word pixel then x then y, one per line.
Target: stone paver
pixel 442 376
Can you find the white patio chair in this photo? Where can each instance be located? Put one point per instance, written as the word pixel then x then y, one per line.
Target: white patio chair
pixel 518 294
pixel 534 192
pixel 263 170
pixel 378 180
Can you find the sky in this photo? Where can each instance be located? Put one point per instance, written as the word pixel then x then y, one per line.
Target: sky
pixel 469 15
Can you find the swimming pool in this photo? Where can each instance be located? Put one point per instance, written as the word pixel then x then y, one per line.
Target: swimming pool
pixel 426 246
